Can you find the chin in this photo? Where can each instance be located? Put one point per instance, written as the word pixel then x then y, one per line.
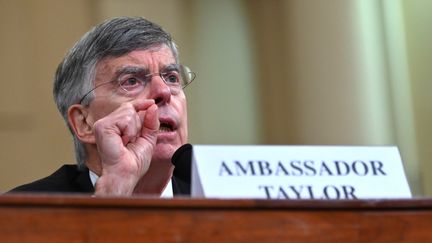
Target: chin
pixel 164 151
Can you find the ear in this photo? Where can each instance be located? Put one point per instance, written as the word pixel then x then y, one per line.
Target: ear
pixel 77 118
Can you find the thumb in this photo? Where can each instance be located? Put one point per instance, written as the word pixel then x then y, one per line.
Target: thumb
pixel 150 120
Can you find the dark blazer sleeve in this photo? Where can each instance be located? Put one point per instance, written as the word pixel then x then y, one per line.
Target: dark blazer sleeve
pixel 67 179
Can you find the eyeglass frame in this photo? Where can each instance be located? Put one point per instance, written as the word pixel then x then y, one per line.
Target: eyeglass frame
pixel 148 77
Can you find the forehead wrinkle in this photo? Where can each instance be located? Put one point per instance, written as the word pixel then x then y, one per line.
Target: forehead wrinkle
pixel 159 57
pixel 131 69
pixel 154 58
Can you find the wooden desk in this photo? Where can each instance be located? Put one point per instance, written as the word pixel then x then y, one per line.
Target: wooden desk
pixel 26 218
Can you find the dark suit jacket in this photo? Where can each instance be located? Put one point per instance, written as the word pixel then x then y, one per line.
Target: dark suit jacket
pixel 69 179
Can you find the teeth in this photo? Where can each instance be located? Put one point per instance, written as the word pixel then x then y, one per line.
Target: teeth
pixel 164 129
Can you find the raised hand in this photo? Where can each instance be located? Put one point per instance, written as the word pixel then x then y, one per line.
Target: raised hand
pixel 125 141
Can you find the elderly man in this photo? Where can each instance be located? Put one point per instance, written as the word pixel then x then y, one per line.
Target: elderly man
pixel 120 90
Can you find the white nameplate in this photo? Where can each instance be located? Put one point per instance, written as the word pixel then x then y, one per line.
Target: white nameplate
pixel 298 172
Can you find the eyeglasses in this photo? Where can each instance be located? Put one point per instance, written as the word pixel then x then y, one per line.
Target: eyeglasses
pixel 132 81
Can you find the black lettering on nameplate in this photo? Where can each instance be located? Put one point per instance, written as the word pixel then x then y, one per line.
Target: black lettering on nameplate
pixel 330 192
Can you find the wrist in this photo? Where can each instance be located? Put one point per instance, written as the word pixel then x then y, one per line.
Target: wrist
pixel 115 184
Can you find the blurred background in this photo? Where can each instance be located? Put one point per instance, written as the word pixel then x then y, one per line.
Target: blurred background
pixel 334 72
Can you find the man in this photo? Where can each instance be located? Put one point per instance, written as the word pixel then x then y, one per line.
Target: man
pixel 120 90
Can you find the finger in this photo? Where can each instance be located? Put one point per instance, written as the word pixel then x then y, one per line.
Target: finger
pixel 126 121
pixel 150 121
pixel 142 105
pixel 129 127
pixel 131 132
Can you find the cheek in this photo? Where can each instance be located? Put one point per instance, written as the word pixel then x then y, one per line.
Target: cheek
pixel 184 129
pixel 98 109
pixel 184 121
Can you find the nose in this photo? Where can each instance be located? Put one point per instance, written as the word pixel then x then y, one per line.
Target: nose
pixel 159 91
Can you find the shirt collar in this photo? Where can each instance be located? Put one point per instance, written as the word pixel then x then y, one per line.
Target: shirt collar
pixel 167 192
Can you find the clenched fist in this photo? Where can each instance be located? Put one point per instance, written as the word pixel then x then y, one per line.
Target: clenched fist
pixel 125 141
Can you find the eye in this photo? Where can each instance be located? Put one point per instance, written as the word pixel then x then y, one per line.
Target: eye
pixel 131 83
pixel 171 78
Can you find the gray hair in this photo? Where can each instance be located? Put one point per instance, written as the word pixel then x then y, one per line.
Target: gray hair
pixel 112 38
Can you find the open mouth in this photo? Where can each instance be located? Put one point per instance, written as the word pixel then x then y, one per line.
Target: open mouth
pixel 165 127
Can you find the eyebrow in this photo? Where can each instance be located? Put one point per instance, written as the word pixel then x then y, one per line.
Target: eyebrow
pixel 171 67
pixel 131 70
pixel 144 70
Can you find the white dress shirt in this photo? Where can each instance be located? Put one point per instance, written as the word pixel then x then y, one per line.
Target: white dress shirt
pixel 167 192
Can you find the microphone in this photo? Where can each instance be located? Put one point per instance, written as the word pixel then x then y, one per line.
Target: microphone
pixel 182 161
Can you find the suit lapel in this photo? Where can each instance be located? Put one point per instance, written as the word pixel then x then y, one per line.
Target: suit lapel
pixel 180 187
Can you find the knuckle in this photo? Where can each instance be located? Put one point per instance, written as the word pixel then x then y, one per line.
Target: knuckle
pixel 99 127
